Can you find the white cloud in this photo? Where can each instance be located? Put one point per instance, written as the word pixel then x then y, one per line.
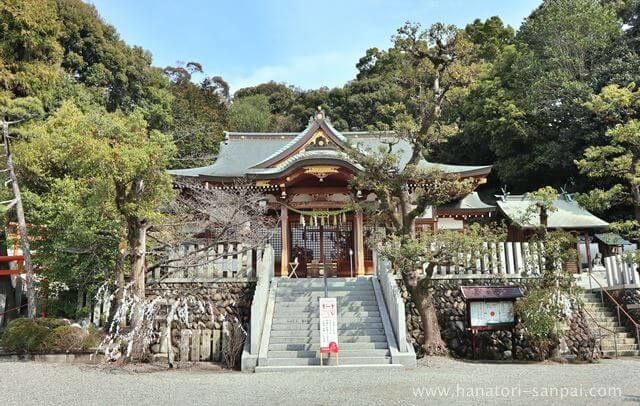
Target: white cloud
pixel 309 71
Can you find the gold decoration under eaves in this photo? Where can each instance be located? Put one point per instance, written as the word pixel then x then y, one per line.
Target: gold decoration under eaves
pixel 321 171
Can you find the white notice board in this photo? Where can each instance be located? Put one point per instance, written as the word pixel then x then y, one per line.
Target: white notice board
pixel 489 313
pixel 328 325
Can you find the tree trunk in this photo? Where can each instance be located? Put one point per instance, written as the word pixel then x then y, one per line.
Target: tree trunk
pixel 636 203
pixel 22 224
pixel 137 235
pixel 422 296
pixel 119 281
pixel 138 246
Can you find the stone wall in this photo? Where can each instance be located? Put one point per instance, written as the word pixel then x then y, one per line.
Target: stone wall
pixel 495 345
pixel 210 308
pixel 579 337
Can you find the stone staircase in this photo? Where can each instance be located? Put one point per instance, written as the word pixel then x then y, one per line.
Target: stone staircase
pixel 294 338
pixel 608 321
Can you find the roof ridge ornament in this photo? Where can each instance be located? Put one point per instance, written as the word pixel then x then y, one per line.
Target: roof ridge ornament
pixel 319 115
pixel 503 197
pixel 568 197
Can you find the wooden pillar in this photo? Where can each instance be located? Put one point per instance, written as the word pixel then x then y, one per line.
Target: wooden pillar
pixel 359 235
pixel 284 229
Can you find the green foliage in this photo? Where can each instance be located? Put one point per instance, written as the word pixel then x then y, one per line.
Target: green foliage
pixel 25 335
pixel 443 248
pixel 616 162
pixel 250 113
pixel 70 339
pixel 527 113
pixel 199 115
pixel 553 298
pixel 538 312
pixel 80 168
pixel 43 335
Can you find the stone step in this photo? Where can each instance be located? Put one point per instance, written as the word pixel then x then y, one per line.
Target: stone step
pixel 618 340
pixel 320 282
pixel 341 339
pixel 315 346
pixel 350 293
pixel 316 326
pixel 316 361
pixel 316 303
pixel 316 333
pixel 316 320
pixel 288 313
pixel 612 353
pixel 320 285
pixel 344 353
pixel 605 324
pixel 315 309
pixel 316 299
pixel 601 314
pixel 616 329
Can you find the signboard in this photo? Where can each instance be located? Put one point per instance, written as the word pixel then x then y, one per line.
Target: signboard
pixel 328 325
pixel 485 314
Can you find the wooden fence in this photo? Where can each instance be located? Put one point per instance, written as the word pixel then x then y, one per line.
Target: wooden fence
pixel 223 261
pixel 621 271
pixel 503 259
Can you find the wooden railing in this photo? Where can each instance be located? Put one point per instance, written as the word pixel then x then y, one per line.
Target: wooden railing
pixel 620 311
pixel 192 264
pixel 503 259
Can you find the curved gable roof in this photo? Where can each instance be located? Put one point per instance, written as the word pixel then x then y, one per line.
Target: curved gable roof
pixel 253 154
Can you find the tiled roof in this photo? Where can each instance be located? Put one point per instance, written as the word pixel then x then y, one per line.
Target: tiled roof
pixel 568 214
pixel 242 153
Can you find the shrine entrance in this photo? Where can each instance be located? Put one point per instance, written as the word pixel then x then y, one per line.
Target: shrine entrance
pixel 323 247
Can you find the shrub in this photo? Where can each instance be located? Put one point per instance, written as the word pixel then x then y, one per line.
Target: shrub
pixel 64 339
pixel 539 313
pixel 48 335
pixel 27 335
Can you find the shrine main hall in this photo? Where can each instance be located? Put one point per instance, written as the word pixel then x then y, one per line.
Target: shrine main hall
pixel 305 178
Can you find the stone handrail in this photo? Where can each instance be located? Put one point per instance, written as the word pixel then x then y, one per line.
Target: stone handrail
pixel 393 300
pixel 264 271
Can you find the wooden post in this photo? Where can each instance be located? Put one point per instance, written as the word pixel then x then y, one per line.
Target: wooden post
pixel 359 235
pixel 284 228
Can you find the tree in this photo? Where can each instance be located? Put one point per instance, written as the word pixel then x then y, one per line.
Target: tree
pixel 250 113
pixel 439 65
pixel 551 300
pixel 119 161
pixel 30 53
pixel 616 163
pixel 208 217
pixel 527 114
pixel 199 115
pixel 118 75
pixel 15 111
pixel 211 217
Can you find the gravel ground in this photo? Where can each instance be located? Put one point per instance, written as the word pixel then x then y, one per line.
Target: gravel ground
pixel 437 381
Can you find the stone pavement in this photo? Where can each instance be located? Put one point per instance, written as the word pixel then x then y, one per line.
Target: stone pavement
pixel 436 381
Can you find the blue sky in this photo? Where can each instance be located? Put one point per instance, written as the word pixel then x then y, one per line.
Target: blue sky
pixel 305 43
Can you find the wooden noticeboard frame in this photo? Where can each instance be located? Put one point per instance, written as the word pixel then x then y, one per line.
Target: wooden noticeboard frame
pixel 490 294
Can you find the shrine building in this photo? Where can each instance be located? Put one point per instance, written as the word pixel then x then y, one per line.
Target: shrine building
pixel 305 178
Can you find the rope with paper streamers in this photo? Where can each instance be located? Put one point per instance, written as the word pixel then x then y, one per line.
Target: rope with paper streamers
pixel 321 217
